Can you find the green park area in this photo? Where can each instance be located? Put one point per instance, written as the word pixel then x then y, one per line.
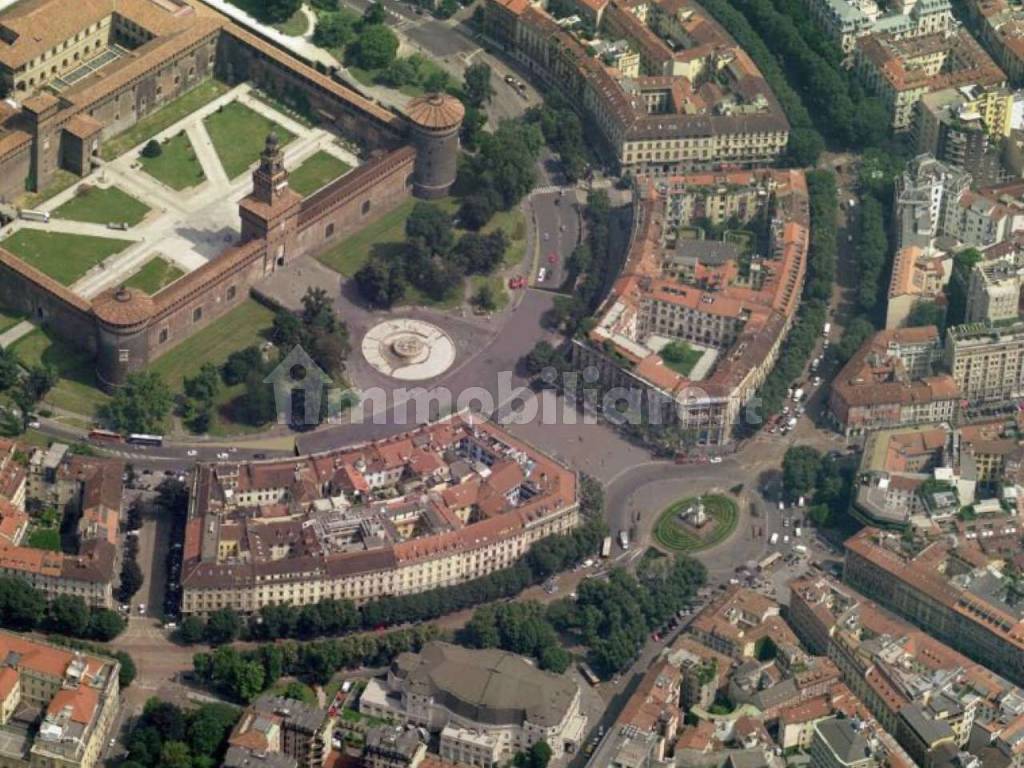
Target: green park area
pixel 76 389
pixel 680 357
pixel 242 327
pixel 353 252
pixel 317 171
pixel 154 275
pixel 103 206
pixel 672 533
pixel 164 118
pixel 64 257
pixel 177 165
pixel 239 135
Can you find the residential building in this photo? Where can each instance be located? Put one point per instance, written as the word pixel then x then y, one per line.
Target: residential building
pixel 58 705
pixel 919 275
pixel 389 747
pixel 986 361
pixel 844 21
pixel 486 705
pixel 729 302
pixel 1000 25
pixel 837 744
pixel 672 117
pixel 993 293
pixel 889 383
pixel 927 192
pixel 445 503
pixel 965 127
pixel 901 70
pixel 969 612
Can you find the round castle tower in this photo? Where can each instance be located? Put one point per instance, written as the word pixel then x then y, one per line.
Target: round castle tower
pixel 436 120
pixel 122 319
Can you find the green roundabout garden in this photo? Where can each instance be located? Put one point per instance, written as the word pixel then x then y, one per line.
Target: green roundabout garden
pixel 674 534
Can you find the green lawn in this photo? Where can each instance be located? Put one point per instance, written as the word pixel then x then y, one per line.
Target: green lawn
pixel 680 357
pixel 319 170
pixel 154 275
pixel 9 320
pixel 163 118
pixel 239 135
pixel 244 326
pixel 240 328
pixel 514 224
pixel 497 285
pixel 351 253
pixel 62 256
pixel 177 166
pixel 77 390
pixel 102 206
pixel 295 25
pixel 672 534
pixel 44 538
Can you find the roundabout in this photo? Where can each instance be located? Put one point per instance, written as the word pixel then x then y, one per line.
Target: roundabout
pixel 696 523
pixel 410 350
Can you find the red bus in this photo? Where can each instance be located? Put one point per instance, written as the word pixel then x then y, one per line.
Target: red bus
pixel 105 436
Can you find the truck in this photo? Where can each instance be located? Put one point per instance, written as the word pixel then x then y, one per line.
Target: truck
pixel 798 394
pixel 826 329
pixel 624 539
pixel 606 547
pixel 30 215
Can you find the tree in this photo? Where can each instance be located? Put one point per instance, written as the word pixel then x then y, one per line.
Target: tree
pixel 485 298
pixel 477 88
pixel 335 30
pixel 542 356
pixel 141 405
pixel 317 310
pixel 131 579
pixel 927 313
pixel 375 47
pixel 472 124
pixel 205 385
pixel 800 467
pixel 432 225
pixel 105 625
pixel 374 14
pixel 40 380
pixel 286 330
pixel 856 333
pixel 152 149
pixel 259 405
pixel 222 627
pixel 399 72
pixel 175 754
pixel 380 282
pixel 191 630
pixel 10 370
pixel 238 365
pixel 68 615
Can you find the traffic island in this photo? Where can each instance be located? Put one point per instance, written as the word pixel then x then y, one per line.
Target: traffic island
pixel 696 523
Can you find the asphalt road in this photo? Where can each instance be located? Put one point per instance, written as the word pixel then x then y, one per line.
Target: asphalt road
pixel 558 228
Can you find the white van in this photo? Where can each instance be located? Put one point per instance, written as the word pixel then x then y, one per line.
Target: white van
pixel 774 539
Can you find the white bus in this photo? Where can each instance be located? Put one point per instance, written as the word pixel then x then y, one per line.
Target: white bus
pixel 624 539
pixel 29 215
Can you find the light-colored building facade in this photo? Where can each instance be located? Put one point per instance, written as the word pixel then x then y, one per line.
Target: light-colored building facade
pixel 993 294
pixel 844 21
pixel 986 362
pixel 487 705
pixel 438 506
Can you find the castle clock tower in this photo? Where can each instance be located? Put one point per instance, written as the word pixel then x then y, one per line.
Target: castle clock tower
pixel 270 212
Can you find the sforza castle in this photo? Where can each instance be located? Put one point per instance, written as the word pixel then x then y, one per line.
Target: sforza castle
pixel 59 112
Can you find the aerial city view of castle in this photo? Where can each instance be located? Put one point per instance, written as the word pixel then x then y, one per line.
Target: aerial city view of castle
pixel 511 384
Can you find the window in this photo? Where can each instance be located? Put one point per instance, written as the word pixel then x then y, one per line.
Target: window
pixel 366 207
pixel 231 292
pixel 122 355
pixel 330 230
pixel 197 314
pixel 163 336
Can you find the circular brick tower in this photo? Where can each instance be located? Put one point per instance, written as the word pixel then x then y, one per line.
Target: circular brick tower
pixel 436 119
pixel 122 320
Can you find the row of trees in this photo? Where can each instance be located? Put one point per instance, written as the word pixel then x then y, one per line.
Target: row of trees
pixel 611 617
pixel 168 736
pixel 563 132
pixel 23 608
pixel 131 574
pixel 331 617
pixel 821 267
pixel 243 675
